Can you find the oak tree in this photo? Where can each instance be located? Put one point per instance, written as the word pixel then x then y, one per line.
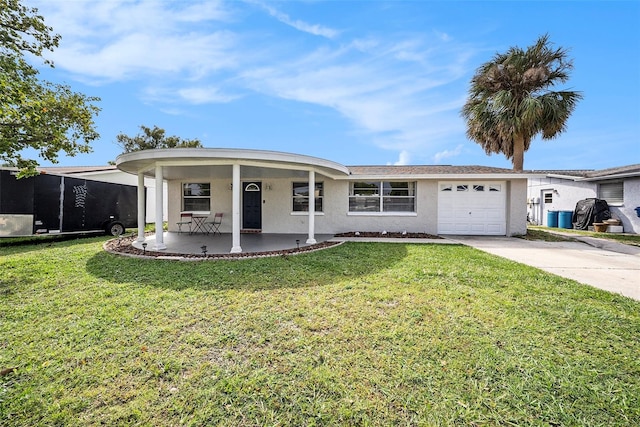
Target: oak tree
pixel 154 138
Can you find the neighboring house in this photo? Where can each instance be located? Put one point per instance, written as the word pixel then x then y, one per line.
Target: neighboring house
pixel 561 190
pixel 112 174
pixel 266 191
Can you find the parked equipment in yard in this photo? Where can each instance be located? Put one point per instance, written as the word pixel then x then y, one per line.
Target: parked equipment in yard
pixel 48 203
pixel 590 211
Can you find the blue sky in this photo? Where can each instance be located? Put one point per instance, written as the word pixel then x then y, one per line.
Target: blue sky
pixel 356 82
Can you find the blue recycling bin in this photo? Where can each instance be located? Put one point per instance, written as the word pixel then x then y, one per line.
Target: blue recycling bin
pixel 552 218
pixel 564 219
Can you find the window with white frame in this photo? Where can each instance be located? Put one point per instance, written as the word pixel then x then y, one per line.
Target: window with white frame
pixel 196 196
pixel 301 196
pixel 612 192
pixel 382 196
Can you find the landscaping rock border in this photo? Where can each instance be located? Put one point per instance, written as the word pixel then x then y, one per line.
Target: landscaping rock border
pixel 124 246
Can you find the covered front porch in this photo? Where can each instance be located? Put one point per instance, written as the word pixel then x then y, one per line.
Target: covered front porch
pixel 217 244
pixel 252 189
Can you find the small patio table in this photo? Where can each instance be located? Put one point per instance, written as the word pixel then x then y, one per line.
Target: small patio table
pixel 198 218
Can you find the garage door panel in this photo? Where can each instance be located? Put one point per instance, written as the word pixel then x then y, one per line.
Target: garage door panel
pixel 471 208
pixel 495 214
pixel 460 214
pixel 477 228
pixel 496 229
pixel 461 228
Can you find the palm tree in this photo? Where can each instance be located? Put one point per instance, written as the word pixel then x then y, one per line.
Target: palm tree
pixel 511 99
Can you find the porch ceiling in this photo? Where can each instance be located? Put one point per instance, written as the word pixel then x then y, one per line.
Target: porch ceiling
pixel 225 171
pixel 194 163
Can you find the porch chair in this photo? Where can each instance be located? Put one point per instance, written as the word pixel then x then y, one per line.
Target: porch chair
pixel 214 226
pixel 185 219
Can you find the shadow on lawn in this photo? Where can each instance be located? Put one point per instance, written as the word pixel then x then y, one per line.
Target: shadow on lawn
pixel 306 270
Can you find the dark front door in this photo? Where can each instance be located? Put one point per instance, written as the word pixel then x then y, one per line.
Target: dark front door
pixel 252 205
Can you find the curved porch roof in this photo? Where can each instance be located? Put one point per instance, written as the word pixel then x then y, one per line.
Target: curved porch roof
pixel 182 163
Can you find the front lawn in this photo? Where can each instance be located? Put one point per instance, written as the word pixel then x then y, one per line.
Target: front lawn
pixel 360 334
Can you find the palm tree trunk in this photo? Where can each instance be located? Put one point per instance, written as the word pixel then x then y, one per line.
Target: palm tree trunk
pixel 518 152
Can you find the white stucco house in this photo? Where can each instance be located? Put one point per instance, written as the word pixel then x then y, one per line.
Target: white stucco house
pixel 560 191
pixel 269 192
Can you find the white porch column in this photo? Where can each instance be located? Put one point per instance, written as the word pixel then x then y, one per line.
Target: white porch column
pixel 236 187
pixel 312 207
pixel 159 211
pixel 142 215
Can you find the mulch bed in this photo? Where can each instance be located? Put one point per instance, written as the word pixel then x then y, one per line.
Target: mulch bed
pixel 400 235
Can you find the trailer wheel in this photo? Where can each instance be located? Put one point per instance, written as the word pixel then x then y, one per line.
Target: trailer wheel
pixel 115 229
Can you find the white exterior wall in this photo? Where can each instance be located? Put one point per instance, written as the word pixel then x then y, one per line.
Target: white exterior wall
pixel 335 218
pixel 278 217
pixel 627 213
pixel 566 194
pixel 220 201
pixel 516 209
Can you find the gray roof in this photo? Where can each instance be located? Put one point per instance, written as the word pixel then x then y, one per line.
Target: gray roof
pixel 424 170
pixel 594 175
pixel 70 170
pixel 429 170
pixel 579 173
pixel 630 169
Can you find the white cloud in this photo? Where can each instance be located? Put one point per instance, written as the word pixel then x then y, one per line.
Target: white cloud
pixel 397 90
pixel 315 29
pixel 205 95
pixel 120 40
pixel 438 157
pixel 194 95
pixel 138 55
pixel 401 105
pixel 403 159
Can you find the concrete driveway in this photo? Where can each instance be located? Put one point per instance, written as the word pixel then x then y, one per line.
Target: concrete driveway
pixel 610 266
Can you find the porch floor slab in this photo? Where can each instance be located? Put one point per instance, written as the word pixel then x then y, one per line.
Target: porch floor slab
pixel 185 243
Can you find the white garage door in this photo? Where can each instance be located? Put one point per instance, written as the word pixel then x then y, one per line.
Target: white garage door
pixel 473 208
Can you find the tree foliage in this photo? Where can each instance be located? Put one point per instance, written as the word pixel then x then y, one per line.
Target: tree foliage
pixel 46 117
pixel 154 138
pixel 511 99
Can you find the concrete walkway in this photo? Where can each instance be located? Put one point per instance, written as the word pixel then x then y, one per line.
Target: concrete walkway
pixel 611 266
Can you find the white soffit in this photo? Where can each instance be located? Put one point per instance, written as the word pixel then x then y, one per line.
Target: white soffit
pixel 217 163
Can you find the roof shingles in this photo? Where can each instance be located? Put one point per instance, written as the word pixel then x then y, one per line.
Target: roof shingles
pixel 427 170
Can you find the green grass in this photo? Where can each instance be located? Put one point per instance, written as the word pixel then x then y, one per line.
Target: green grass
pixel 360 334
pixel 626 238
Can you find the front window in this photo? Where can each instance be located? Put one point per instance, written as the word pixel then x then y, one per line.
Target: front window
pixel 364 197
pixel 301 196
pixel 196 196
pixel 382 196
pixel 398 197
